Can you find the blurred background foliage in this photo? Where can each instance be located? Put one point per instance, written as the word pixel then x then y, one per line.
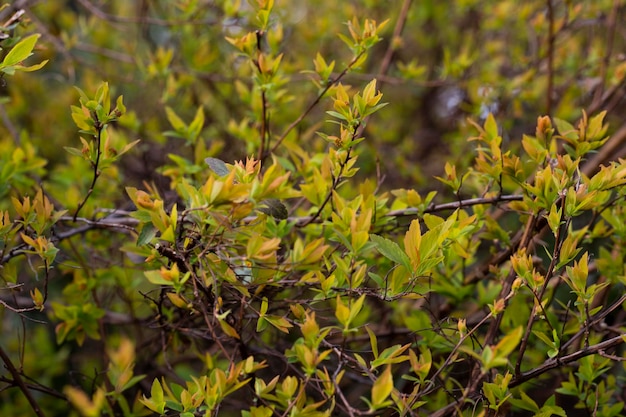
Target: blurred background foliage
pixel 451 60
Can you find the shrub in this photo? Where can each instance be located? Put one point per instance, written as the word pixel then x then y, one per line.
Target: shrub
pixel 268 266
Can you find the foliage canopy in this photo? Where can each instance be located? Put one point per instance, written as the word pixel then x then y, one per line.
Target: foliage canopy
pixel 338 208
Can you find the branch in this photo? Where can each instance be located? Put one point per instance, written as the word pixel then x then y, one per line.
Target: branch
pixel 564 360
pixel 142 19
pixel 125 223
pixel 551 39
pixel 17 379
pixel 96 173
pixel 315 102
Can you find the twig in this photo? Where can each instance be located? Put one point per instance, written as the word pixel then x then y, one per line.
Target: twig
pixel 17 379
pixel 8 124
pixel 604 64
pixel 142 19
pixel 551 39
pixel 14 7
pixel 315 102
pixel 457 205
pixel 397 32
pixel 334 186
pixel 264 131
pixel 96 173
pixel 558 244
pixel 564 360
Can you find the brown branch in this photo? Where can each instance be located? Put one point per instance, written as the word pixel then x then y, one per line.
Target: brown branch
pixel 17 379
pixel 604 64
pixel 397 32
pixel 315 102
pixel 96 172
pixel 12 8
pixel 142 19
pixel 551 40
pixel 564 360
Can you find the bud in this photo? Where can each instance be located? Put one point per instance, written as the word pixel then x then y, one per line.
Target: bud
pixel 544 128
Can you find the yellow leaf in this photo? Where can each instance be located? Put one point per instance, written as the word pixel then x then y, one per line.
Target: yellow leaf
pixel 382 388
pixel 412 243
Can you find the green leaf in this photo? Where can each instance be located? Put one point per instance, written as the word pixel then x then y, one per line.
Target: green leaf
pixel 566 129
pixel 74 151
pixel 508 343
pixel 21 51
pixel 391 250
pixel 176 122
pixel 156 394
pixel 274 208
pixel 148 232
pixel 156 278
pixel 525 402
pixel 491 128
pixel 196 125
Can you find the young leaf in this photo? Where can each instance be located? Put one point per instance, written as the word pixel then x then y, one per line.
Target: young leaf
pixel 391 250
pixel 382 388
pixel 22 50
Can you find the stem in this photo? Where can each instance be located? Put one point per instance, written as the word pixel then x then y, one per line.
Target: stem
pixel 551 39
pixel 330 192
pixel 315 102
pixel 604 64
pixel 99 128
pixel 549 274
pixel 564 360
pixel 17 379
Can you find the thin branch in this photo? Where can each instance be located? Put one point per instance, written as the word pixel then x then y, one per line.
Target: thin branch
pixel 336 182
pixel 124 223
pixel 315 102
pixel 551 39
pixel 558 244
pixel 604 64
pixel 564 360
pixel 8 124
pixel 100 14
pixel 397 32
pixel 17 379
pixel 96 172
pixel 457 205
pixel 14 7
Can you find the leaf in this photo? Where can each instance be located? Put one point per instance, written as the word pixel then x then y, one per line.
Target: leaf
pixel 342 312
pixel 29 68
pixel 196 125
pixel 412 244
pixel 74 151
pixel 391 250
pixel 382 388
pixel 218 166
pixel 148 231
pixel 491 128
pixel 274 208
pixel 176 122
pixel 156 394
pixel 21 51
pixel 566 129
pixel 280 323
pixel 392 354
pixel 373 342
pixel 228 329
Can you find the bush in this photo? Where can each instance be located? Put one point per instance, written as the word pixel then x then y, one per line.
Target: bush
pixel 206 244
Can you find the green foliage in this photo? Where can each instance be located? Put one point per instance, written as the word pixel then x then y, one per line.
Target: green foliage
pixel 251 230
